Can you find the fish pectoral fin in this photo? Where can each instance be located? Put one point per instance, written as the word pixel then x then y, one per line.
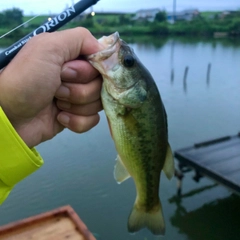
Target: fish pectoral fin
pixel 168 167
pixel 120 172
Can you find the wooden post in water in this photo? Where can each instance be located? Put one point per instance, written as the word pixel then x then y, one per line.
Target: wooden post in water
pixel 185 79
pixel 172 61
pixel 172 75
pixel 208 73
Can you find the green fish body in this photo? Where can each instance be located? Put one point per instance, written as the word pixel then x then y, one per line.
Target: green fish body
pixel 138 125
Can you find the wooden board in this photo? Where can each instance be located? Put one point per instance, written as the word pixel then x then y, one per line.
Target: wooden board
pixel 61 223
pixel 218 159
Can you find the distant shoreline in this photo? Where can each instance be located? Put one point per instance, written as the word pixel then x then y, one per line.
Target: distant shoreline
pixel 206 24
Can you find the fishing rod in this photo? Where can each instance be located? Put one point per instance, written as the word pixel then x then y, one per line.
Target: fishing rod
pixel 50 26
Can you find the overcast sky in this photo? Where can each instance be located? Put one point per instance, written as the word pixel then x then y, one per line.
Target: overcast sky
pixel 57 6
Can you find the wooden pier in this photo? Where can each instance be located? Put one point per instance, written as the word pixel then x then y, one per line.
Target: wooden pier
pixel 218 159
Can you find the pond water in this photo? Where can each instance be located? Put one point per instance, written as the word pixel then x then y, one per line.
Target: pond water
pixel 78 168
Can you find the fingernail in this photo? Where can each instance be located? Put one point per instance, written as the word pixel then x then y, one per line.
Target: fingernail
pixel 64 119
pixel 63 92
pixel 69 73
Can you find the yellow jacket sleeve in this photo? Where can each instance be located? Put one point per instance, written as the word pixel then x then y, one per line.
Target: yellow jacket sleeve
pixel 17 161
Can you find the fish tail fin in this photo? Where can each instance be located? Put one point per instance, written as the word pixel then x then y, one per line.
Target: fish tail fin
pixel 153 220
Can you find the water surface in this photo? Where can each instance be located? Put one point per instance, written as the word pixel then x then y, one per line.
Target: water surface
pixel 78 168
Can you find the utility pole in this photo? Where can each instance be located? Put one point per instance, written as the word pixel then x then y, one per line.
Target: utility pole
pixel 174 10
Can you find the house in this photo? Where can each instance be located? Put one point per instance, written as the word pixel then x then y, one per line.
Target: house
pixel 187 15
pixel 224 14
pixel 146 14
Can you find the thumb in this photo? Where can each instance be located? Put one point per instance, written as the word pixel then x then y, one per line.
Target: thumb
pixel 75 42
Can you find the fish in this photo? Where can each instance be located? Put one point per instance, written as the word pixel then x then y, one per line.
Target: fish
pixel 138 125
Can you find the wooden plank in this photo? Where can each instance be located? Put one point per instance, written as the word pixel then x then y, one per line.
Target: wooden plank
pixel 217 155
pixel 209 148
pixel 226 167
pixel 61 223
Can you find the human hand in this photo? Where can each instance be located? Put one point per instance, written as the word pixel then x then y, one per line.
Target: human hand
pixel 44 88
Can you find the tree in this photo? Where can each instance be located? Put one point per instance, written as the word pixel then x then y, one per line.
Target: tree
pixel 124 19
pixel 2 19
pixel 11 17
pixel 161 16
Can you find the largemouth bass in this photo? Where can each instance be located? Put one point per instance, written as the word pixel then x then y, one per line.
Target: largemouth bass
pixel 138 125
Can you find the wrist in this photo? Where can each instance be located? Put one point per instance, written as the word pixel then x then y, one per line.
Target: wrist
pixel 20 129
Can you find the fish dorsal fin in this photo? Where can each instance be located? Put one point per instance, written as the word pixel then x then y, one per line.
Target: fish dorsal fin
pixel 120 172
pixel 168 167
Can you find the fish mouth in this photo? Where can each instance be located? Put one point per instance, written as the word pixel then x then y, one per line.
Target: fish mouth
pixel 101 60
pixel 109 47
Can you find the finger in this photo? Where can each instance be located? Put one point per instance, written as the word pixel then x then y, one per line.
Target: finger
pixel 78 93
pixel 79 71
pixel 85 110
pixel 78 124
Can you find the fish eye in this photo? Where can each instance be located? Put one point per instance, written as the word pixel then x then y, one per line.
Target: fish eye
pixel 128 61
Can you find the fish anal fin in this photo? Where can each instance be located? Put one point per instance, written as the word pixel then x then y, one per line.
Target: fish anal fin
pixel 153 220
pixel 120 172
pixel 168 167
